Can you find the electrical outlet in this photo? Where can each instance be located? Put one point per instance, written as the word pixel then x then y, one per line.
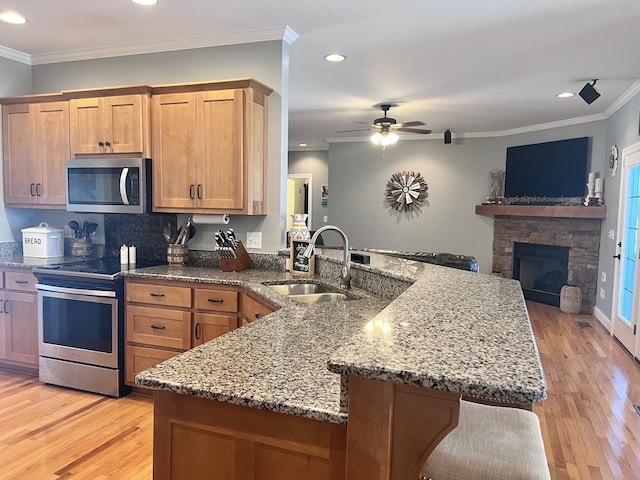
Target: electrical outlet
pixel 612 234
pixel 602 293
pixel 254 240
pixel 603 277
pixel 325 219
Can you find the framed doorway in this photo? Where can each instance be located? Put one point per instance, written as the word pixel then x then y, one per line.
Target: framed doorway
pixel 299 197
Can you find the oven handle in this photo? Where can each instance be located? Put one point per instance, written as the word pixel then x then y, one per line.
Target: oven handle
pixel 75 291
pixel 123 185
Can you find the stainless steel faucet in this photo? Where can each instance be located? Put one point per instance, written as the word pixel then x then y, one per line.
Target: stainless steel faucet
pixel 345 274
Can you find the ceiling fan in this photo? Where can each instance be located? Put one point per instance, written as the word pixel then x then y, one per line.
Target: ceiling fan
pixel 385 127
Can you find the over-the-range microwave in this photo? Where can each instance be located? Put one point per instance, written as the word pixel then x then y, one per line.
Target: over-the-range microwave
pixel 109 185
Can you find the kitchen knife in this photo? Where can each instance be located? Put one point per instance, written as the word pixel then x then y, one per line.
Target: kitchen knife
pixel 232 238
pixel 220 243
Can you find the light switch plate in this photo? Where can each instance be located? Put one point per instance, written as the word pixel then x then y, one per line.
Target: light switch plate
pixel 612 234
pixel 254 240
pixel 325 219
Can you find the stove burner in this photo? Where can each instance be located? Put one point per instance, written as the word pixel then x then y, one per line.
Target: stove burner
pixel 107 268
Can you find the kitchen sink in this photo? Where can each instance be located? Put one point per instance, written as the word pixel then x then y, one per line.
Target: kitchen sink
pixel 310 292
pixel 303 288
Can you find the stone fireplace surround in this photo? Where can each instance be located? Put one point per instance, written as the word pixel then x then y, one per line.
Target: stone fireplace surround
pixel 581 235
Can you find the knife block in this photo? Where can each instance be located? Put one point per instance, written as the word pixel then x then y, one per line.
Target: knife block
pixel 241 262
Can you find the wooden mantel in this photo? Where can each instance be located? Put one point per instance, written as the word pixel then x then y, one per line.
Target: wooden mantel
pixel 558 211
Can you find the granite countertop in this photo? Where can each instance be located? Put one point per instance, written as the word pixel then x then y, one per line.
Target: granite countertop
pixel 450 330
pixel 31 262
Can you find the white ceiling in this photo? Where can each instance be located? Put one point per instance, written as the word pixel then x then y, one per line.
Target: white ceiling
pixel 475 67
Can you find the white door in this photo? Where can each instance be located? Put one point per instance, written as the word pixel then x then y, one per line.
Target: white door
pixel 626 300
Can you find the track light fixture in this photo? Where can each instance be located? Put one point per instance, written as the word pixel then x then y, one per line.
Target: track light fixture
pixel 447 136
pixel 588 93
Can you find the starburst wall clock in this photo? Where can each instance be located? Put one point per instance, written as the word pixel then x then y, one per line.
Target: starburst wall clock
pixel 406 191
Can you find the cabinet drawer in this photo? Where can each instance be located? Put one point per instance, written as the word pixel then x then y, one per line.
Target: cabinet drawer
pixel 158 327
pixel 22 281
pixel 138 359
pixel 253 309
pixel 218 300
pixel 164 295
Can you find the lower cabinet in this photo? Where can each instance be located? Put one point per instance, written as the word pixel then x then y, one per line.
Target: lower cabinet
pixel 18 320
pixel 164 318
pixel 196 438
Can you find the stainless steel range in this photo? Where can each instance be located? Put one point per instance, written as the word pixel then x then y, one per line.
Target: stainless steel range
pixel 81 325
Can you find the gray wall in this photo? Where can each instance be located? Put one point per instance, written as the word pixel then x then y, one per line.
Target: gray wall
pixel 621 130
pixel 264 61
pixel 315 163
pixel 458 179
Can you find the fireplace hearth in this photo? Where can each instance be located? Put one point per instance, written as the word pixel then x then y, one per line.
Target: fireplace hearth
pixel 542 271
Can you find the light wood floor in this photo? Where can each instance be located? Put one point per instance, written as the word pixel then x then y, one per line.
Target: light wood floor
pixel 590 427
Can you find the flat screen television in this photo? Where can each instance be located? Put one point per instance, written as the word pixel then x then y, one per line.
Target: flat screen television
pixel 552 169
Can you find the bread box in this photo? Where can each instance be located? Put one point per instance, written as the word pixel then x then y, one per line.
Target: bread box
pixel 42 241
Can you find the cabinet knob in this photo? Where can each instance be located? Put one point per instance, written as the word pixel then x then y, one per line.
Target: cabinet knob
pixel 258 316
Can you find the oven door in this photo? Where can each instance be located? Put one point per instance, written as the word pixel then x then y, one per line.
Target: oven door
pixel 78 325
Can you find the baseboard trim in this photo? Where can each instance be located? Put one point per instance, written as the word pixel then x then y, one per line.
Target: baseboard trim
pixel 602 318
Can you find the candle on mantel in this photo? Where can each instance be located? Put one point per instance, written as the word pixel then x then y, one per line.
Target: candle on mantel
pixel 592 177
pixel 599 184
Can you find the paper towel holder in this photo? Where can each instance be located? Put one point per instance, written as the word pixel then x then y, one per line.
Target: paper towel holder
pixel 210 219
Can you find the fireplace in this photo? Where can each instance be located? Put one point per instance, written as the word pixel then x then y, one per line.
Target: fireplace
pixel 542 271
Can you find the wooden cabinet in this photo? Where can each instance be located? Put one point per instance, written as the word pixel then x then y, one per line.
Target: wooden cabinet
pixel 216 313
pixel 110 125
pixel 164 318
pixel 195 435
pixel 253 308
pixel 209 147
pixel 19 320
pixel 36 146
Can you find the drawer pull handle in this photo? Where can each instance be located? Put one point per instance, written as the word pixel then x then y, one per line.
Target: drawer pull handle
pixel 214 300
pixel 197 331
pixel 157 294
pixel 5 306
pixel 157 327
pixel 21 282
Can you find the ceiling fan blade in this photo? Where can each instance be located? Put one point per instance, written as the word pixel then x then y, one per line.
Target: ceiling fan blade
pixel 413 130
pixel 409 124
pixel 356 130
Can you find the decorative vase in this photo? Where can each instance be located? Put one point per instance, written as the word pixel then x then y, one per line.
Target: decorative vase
pixel 299 230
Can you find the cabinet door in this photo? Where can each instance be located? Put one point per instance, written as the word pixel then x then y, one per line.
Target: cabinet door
pixel 138 359
pixel 20 171
pixel 86 125
pixel 221 166
pixel 253 309
pixel 208 326
pixel 123 125
pixel 21 327
pixel 174 152
pixel 52 150
pixel 3 325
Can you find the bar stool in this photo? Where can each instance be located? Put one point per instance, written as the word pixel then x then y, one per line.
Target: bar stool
pixel 490 443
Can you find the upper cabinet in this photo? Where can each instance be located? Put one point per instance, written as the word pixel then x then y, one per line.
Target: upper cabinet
pixel 210 148
pixel 110 125
pixel 35 147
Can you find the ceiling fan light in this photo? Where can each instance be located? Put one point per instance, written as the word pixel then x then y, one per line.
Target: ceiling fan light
pixel 376 138
pixel 391 138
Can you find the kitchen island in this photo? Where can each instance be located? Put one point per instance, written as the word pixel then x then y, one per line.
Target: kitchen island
pixel 364 388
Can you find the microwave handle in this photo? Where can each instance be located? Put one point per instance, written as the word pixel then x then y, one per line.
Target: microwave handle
pixel 123 185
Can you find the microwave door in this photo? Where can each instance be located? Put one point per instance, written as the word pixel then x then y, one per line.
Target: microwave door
pixel 123 186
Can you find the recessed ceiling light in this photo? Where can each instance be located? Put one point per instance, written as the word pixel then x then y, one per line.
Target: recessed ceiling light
pixel 145 2
pixel 334 57
pixel 303 145
pixel 565 95
pixel 12 17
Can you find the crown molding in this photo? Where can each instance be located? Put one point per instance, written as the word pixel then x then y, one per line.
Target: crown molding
pixel 285 34
pixel 15 55
pixel 624 98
